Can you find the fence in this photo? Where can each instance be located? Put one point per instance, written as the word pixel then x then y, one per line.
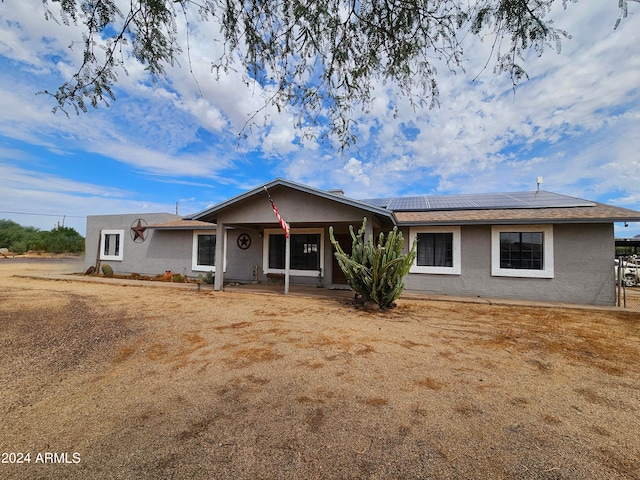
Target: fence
pixel 628 282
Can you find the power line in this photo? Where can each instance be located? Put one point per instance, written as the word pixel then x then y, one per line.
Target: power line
pixel 43 214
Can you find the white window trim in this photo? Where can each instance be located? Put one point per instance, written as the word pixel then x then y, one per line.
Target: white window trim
pixel 294 231
pixel 456 269
pixel 194 252
pixel 120 255
pixel 547 249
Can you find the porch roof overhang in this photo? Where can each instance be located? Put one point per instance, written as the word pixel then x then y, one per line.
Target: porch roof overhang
pixel 597 213
pixel 183 224
pixel 212 213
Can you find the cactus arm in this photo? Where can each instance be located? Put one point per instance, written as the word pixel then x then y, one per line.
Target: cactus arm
pixel 375 271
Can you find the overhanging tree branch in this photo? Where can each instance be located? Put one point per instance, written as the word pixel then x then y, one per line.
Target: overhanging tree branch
pixel 323 58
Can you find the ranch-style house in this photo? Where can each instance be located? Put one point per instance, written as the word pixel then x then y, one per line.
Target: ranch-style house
pixel 534 245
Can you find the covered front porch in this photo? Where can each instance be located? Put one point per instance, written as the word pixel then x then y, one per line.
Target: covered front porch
pixel 251 240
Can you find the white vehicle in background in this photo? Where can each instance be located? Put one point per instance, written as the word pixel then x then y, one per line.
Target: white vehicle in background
pixel 630 271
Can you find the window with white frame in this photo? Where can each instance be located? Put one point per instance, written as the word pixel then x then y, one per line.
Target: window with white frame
pixel 306 251
pixel 522 251
pixel 438 250
pixel 203 256
pixel 111 242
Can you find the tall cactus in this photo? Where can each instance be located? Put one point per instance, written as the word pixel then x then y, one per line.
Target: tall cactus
pixel 375 271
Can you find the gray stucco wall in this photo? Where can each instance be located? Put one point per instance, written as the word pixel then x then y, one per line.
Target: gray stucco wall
pixel 169 250
pixel 296 207
pixel 583 264
pixel 241 263
pixel 161 250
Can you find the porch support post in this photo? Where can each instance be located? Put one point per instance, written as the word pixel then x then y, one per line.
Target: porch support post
pixel 287 263
pixel 368 230
pixel 220 256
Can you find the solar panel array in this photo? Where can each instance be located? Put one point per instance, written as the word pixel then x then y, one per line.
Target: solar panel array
pixel 535 199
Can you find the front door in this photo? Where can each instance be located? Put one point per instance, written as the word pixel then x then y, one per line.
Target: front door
pixel 338 276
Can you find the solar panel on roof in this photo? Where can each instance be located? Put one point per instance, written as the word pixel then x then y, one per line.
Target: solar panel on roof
pixel 536 199
pixel 377 202
pixel 446 202
pixel 407 203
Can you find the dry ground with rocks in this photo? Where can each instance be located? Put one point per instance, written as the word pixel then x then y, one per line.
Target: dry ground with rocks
pixel 141 382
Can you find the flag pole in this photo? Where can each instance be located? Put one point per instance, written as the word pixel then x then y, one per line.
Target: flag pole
pixel 287 263
pixel 287 247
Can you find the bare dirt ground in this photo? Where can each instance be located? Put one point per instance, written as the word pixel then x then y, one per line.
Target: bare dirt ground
pixel 127 382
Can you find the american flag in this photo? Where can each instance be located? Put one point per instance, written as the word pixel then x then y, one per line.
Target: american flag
pixel 283 224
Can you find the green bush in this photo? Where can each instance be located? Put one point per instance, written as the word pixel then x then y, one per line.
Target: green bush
pixel 62 240
pixel 18 247
pixel 375 271
pixel 19 239
pixel 208 278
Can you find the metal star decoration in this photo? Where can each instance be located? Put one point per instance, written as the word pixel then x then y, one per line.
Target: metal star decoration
pixel 137 230
pixel 244 241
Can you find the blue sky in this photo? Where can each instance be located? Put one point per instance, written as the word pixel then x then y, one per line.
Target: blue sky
pixel 576 123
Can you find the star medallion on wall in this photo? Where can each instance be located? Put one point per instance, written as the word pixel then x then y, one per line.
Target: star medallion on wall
pixel 244 241
pixel 138 229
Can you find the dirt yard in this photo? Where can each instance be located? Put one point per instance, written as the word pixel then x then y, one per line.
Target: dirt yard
pixel 122 382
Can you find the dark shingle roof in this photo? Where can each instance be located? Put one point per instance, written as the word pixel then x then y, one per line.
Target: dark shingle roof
pixel 587 214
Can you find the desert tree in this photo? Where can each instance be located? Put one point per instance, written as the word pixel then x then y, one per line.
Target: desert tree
pixel 321 58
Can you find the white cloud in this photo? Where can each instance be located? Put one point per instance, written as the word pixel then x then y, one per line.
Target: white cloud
pixel 569 98
pixel 355 170
pixel 279 141
pixel 575 122
pixel 19 179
